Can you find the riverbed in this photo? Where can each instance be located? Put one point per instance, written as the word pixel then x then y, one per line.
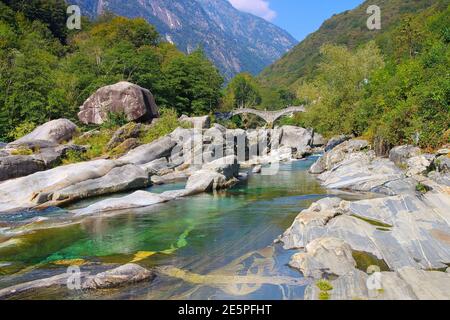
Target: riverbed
pixel 210 246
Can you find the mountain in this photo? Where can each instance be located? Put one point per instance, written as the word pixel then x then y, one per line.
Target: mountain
pixel 235 41
pixel 348 28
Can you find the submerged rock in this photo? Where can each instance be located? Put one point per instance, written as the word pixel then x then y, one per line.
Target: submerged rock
pixel 139 199
pixel 125 275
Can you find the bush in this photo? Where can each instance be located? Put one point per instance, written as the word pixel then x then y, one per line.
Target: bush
pixel 96 144
pixel 22 152
pixel 324 285
pixel 22 130
pixel 166 124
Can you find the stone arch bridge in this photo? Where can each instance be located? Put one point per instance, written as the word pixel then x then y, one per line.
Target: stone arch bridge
pixel 269 116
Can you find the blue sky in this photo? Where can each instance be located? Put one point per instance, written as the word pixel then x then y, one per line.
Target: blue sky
pixel 298 17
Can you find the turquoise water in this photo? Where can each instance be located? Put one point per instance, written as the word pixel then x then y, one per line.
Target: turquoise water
pixel 210 236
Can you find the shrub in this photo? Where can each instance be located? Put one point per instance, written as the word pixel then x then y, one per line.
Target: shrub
pixel 74 156
pixel 22 130
pixel 324 285
pixel 96 144
pixel 115 120
pixel 166 124
pixel 323 295
pixel 22 151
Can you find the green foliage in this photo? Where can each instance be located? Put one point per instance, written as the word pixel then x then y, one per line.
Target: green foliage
pixel 399 98
pixel 420 187
pixel 115 120
pixel 191 84
pixel 96 144
pixel 22 130
pixel 22 151
pixel 346 29
pixel 46 74
pixel 163 126
pixel 242 92
pixel 323 295
pixel 74 156
pixel 324 285
pixel 336 92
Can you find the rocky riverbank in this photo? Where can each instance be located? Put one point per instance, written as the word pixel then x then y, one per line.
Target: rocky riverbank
pixel 208 159
pixel 395 246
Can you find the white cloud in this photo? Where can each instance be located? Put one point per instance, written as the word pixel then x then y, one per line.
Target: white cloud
pixel 259 8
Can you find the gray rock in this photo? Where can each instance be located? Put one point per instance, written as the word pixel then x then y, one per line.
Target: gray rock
pixel 406 231
pixel 443 152
pixel 227 166
pixel 427 285
pixel 400 155
pixel 443 164
pixel 128 131
pixel 29 191
pixel 171 177
pixel 318 140
pixel 2 145
pixel 122 276
pixel 55 131
pixel 323 257
pixel 12 167
pixel 335 141
pixel 205 181
pixel 35 285
pixel 129 177
pixel 419 165
pixel 149 152
pixel 18 166
pixel 157 167
pixel 139 199
pixel 257 169
pixel 296 138
pixel 440 178
pixel 197 122
pixel 136 103
pixel 351 286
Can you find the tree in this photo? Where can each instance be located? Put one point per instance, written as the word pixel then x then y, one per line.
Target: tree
pixel 192 84
pixel 242 92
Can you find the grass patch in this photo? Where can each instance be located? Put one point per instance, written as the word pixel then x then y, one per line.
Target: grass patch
pixel 324 285
pixel 323 295
pixel 166 124
pixel 22 151
pixel 420 187
pixel 373 222
pixel 364 260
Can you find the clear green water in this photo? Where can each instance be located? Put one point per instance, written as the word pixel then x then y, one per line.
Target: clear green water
pixel 212 236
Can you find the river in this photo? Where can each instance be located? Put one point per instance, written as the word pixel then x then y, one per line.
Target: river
pixel 210 246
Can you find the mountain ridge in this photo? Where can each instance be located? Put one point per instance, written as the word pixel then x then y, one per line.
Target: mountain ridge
pixel 347 28
pixel 235 41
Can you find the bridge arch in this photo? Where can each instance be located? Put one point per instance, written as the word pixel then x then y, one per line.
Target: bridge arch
pixel 269 116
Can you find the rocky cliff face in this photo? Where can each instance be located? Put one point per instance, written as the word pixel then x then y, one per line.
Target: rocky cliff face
pixel 233 40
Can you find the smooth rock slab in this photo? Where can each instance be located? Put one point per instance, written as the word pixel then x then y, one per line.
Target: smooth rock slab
pixel 139 199
pixel 324 256
pixel 125 275
pixel 55 131
pixel 129 177
pixel 36 189
pixel 149 152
